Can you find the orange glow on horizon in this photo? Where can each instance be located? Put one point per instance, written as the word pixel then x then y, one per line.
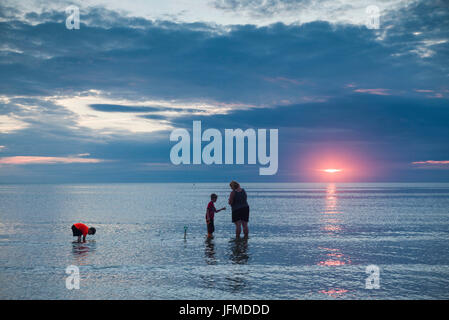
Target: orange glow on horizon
pixel 333 164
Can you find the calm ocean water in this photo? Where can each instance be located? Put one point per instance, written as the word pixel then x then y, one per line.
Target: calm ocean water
pixel 307 241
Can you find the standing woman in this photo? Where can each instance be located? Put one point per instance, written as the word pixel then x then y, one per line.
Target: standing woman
pixel 240 208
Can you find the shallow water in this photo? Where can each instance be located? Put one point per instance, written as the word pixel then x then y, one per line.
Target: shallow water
pixel 307 241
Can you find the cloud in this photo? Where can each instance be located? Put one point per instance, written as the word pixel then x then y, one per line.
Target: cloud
pixel 420 29
pixel 222 12
pixel 379 92
pixel 437 96
pixel 431 165
pixel 23 160
pixel 243 64
pixel 124 108
pixel 432 162
pixel 116 87
pixel 105 122
pixel 108 115
pixel 424 50
pixel 10 124
pixel 284 80
pixel 304 11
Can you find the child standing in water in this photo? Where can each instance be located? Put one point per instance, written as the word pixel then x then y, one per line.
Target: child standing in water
pixel 210 213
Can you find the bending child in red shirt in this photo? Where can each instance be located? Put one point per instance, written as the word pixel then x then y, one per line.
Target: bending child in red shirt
pixel 80 229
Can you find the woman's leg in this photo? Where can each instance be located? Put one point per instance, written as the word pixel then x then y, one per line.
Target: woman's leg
pixel 238 228
pixel 245 228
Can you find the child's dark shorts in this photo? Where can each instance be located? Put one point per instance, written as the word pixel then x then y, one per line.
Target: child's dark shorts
pixel 240 214
pixel 210 227
pixel 76 231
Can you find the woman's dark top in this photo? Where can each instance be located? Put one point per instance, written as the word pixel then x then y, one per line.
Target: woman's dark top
pixel 239 200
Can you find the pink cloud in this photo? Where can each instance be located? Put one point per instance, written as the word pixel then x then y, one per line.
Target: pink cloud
pixel 423 90
pixel 18 160
pixel 379 92
pixel 431 162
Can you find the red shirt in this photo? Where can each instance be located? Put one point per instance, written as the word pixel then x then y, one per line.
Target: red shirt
pixel 210 211
pixel 82 227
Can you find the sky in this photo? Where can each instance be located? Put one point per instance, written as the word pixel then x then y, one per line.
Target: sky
pixel 98 103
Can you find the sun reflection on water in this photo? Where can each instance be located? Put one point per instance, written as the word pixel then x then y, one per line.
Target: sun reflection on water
pixel 332 225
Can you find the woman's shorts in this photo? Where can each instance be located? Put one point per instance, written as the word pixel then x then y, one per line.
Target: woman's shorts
pixel 76 232
pixel 210 227
pixel 240 214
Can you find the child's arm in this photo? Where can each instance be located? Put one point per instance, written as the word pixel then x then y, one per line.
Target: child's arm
pixel 224 208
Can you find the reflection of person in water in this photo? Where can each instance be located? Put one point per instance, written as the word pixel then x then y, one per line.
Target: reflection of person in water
pixel 81 251
pixel 239 251
pixel 237 280
pixel 209 251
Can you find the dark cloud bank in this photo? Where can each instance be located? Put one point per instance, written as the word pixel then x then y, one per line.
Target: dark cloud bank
pixel 302 78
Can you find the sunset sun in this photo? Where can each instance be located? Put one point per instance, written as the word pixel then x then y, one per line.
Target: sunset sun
pixel 331 170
